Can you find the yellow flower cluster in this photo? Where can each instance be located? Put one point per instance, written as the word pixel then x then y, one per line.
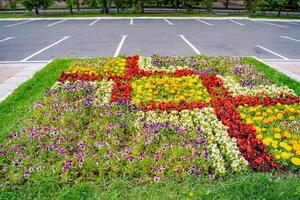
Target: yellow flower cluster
pixel 273 128
pixel 113 66
pixel 169 89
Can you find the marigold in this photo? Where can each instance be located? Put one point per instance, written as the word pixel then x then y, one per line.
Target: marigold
pixel 259 136
pixel 277 136
pixel 287 134
pixel 295 161
pixel 279 116
pixel 292 118
pixel 285 155
pixel 277 130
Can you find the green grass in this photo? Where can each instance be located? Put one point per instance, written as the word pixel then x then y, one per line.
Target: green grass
pixel 274 75
pixel 248 186
pixel 17 106
pixel 47 186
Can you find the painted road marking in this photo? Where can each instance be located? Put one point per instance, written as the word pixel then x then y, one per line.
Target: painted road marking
pixel 293 23
pixel 131 21
pixel 120 45
pixel 190 44
pixel 170 23
pixel 16 24
pixel 44 49
pixel 289 38
pixel 94 22
pixel 237 22
pixel 282 26
pixel 57 22
pixel 272 52
pixel 199 20
pixel 8 38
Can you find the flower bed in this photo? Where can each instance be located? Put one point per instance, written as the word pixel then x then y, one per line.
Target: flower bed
pixel 157 117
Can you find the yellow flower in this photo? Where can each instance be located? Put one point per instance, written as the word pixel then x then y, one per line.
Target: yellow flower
pixel 267 141
pixel 277 130
pixel 279 116
pixel 282 144
pixel 292 118
pixel 285 155
pixel 295 161
pixel 259 136
pixel 288 147
pixel 287 134
pixel 277 156
pixel 277 136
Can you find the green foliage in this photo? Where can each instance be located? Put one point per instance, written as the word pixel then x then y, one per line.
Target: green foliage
pixel 36 4
pixel 208 4
pixel 248 186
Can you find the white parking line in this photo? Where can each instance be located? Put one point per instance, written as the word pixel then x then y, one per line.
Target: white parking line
pixel 293 23
pixel 282 26
pixel 94 22
pixel 190 44
pixel 11 25
pixel 120 45
pixel 289 38
pixel 131 21
pixel 272 52
pixel 237 22
pixel 199 20
pixel 44 49
pixel 170 23
pixel 8 38
pixel 57 22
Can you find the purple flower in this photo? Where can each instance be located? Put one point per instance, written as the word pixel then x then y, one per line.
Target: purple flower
pixel 156 179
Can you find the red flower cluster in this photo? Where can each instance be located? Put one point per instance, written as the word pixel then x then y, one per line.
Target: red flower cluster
pixel 253 150
pixel 265 100
pixel 169 106
pixel 75 76
pixel 121 90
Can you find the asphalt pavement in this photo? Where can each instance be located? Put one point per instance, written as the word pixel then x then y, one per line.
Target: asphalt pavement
pixel 42 40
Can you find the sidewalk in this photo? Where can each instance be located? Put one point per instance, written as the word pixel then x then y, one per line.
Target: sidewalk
pixel 14 74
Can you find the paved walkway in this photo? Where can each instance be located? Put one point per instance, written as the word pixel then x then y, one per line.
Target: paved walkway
pixel 14 74
pixel 289 68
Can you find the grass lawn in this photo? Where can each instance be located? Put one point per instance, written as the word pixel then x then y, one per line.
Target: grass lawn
pixel 47 185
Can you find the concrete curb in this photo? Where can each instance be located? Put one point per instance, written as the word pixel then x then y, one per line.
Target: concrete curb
pixel 289 74
pixel 93 18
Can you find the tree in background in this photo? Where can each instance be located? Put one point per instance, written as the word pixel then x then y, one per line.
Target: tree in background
pixel 70 4
pixel 98 3
pixel 36 4
pixel 208 4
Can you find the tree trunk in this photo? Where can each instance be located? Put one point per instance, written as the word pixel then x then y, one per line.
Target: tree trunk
pixel 71 9
pixel 226 4
pixel 36 10
pixel 105 7
pixel 177 4
pixel 142 6
pixel 78 4
pixel 279 12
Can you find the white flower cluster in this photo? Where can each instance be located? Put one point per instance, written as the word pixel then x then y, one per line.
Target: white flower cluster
pixel 271 90
pixel 224 153
pixel 103 92
pixel 145 63
pixel 102 89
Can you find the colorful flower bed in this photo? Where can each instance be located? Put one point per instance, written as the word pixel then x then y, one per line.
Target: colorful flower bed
pixel 157 117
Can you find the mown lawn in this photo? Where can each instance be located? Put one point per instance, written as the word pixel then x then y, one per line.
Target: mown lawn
pixel 251 185
pixel 248 186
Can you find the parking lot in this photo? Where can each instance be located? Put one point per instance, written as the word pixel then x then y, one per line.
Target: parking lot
pixel 42 40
